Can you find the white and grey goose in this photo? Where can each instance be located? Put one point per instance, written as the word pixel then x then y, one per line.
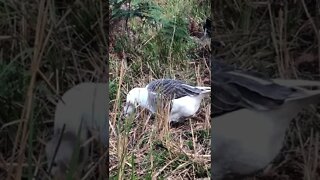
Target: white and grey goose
pixel 250 117
pixel 82 109
pixel 185 99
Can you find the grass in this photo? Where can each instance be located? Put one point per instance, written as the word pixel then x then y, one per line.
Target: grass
pixel 279 40
pixel 46 48
pixel 142 147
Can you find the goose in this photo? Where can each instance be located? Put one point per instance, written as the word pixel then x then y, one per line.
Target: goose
pixel 184 99
pixel 80 114
pixel 250 116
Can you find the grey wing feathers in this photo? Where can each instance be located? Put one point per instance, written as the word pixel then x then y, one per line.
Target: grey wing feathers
pixel 172 89
pixel 234 89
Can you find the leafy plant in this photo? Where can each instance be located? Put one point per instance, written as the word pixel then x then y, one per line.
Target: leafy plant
pixel 125 9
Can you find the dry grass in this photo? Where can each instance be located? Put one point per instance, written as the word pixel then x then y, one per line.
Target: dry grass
pixel 46 48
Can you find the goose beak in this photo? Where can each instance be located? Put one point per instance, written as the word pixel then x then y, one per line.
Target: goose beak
pixel 127 109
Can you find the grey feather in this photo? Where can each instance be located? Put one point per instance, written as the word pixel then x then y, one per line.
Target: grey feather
pixel 238 89
pixel 172 89
pixel 163 91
